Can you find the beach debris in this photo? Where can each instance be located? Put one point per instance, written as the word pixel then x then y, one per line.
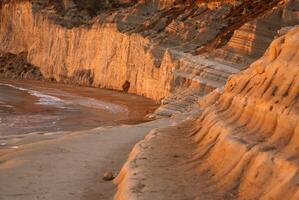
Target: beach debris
pixel 108 176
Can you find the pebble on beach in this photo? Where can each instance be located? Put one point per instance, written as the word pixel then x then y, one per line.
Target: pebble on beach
pixel 108 176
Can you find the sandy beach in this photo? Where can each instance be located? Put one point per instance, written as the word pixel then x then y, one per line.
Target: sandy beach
pixel 70 167
pixel 35 106
pixel 94 131
pixel 149 100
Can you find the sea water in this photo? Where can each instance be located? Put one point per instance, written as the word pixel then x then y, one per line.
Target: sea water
pixel 30 107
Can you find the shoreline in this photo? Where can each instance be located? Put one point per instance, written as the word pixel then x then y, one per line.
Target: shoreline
pixel 39 164
pixel 70 108
pixel 71 167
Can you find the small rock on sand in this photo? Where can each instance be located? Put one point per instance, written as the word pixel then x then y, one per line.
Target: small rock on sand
pixel 108 176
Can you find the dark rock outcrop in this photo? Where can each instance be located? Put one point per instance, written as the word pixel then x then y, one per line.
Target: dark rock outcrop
pixel 16 67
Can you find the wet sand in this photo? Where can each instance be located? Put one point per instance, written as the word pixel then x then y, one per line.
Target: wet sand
pixel 68 164
pixel 28 106
pixel 70 167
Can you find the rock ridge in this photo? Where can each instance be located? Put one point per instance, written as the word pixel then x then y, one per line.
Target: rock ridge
pixel 242 144
pixel 122 42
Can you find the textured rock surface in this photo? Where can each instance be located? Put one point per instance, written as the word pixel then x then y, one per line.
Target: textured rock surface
pixel 15 67
pixel 101 51
pixel 250 41
pixel 61 52
pixel 143 43
pixel 244 144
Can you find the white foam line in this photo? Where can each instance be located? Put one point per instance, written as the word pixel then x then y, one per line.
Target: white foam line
pixel 7 106
pixel 94 103
pixel 3 104
pixel 13 147
pixel 43 99
pixel 83 101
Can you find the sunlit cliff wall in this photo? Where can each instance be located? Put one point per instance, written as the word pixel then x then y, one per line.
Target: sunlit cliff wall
pixel 69 48
pixel 254 127
pixel 244 145
pixel 144 47
pixel 250 41
pixel 112 57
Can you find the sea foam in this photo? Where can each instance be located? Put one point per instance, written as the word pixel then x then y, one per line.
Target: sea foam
pixel 43 99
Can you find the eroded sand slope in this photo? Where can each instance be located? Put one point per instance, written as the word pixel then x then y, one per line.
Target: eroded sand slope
pixel 244 144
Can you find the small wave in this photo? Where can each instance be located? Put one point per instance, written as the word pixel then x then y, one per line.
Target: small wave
pixel 94 103
pixel 3 104
pixel 6 106
pixel 46 99
pixel 43 99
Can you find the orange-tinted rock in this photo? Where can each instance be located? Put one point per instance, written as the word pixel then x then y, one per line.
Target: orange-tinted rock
pixel 97 54
pixel 108 176
pixel 244 145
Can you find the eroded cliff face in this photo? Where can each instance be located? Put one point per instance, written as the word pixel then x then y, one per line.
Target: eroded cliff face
pixel 97 55
pixel 241 144
pixel 143 47
pixel 244 144
pixel 110 57
pixel 256 125
pixel 251 40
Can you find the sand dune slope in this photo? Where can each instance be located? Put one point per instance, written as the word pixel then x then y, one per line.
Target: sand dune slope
pixel 244 144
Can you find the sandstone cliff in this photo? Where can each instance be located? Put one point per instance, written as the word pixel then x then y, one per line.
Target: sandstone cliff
pixel 143 46
pixel 250 41
pixel 243 145
pixel 242 140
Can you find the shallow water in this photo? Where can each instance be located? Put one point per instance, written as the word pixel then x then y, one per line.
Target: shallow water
pixel 30 107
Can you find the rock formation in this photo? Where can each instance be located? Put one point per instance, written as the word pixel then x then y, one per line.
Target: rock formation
pixel 237 139
pixel 145 43
pixel 243 145
pixel 250 41
pixel 15 67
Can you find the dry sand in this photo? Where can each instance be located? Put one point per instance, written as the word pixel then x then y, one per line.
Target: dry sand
pixel 70 167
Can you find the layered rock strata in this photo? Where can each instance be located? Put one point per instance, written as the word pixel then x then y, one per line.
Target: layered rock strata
pixel 250 41
pixel 96 55
pixel 244 144
pixel 143 46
